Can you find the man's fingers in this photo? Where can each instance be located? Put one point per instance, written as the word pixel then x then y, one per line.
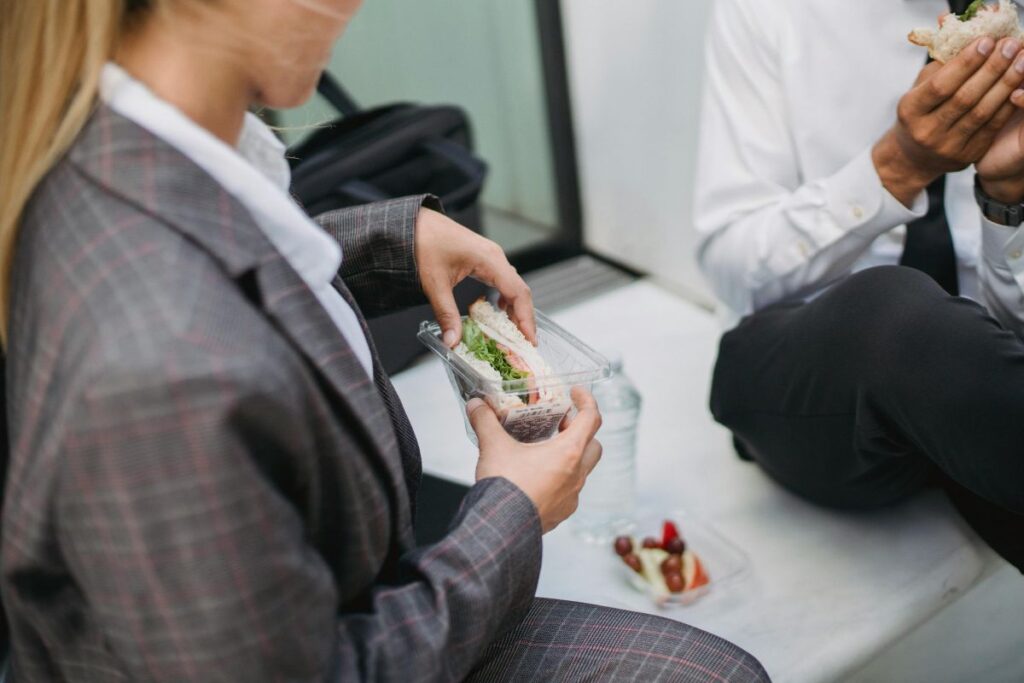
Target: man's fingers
pixel 983 140
pixel 927 72
pixel 999 98
pixel 978 100
pixel 442 300
pixel 932 92
pixel 1001 118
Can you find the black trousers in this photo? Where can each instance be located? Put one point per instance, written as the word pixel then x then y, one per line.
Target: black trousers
pixel 879 388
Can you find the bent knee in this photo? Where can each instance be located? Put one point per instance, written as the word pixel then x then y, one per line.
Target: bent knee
pixel 887 295
pixel 898 315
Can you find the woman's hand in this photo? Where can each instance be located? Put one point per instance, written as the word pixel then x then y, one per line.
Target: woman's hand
pixel 551 473
pixel 446 254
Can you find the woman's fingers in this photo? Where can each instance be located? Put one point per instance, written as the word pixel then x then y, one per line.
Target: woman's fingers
pixel 591 456
pixel 587 419
pixel 442 300
pixel 516 297
pixel 446 253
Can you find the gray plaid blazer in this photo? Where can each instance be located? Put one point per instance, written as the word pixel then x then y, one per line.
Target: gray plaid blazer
pixel 203 483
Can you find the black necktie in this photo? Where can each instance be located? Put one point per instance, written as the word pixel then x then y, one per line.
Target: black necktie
pixel 929 244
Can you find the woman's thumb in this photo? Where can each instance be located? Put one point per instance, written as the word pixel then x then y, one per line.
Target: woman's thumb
pixel 484 422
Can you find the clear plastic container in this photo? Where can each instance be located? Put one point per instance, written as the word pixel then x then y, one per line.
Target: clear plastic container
pixel 724 563
pixel 573 362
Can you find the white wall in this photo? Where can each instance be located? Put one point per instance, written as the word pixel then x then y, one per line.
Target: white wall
pixel 635 70
pixel 483 55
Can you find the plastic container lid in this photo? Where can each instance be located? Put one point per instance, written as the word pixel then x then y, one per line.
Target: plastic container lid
pixel 573 364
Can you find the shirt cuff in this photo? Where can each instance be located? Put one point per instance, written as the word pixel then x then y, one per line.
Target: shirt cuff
pixel 861 204
pixel 1002 247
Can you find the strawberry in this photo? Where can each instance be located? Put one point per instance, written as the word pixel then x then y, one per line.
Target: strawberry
pixel 668 532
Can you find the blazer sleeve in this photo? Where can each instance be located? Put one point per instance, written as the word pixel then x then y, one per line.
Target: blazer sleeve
pixel 378 251
pixel 196 565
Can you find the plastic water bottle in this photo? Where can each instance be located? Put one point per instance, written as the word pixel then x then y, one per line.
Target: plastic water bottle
pixel 608 498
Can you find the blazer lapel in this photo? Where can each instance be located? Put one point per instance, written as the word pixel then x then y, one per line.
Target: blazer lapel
pixel 412 463
pixel 301 318
pixel 163 182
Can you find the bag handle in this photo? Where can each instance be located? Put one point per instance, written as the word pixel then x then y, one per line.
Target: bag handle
pixel 331 90
pixel 474 170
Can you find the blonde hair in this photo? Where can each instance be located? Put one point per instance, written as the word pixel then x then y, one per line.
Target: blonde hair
pixel 51 56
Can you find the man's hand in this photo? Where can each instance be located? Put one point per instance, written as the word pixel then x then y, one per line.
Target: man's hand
pixel 551 473
pixel 446 254
pixel 950 118
pixel 1001 171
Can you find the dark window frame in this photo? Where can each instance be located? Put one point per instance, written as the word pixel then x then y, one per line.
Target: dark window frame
pixel 568 239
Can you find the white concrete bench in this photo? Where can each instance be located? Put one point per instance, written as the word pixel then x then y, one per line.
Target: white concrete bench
pixel 827 592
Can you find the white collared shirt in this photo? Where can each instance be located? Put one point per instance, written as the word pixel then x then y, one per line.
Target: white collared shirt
pixel 797 92
pixel 256 173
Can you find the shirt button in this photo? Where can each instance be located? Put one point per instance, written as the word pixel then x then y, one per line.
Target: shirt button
pixel 858 212
pixel 1015 256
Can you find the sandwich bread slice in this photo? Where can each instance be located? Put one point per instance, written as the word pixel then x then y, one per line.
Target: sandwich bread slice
pixel 956 32
pixel 496 349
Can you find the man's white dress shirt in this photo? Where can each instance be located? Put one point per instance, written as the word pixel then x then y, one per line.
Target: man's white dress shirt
pixel 797 93
pixel 256 173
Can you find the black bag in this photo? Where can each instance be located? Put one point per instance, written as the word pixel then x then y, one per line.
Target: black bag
pixel 385 153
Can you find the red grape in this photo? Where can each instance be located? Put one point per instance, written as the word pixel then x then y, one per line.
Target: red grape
pixel 675 583
pixel 673 564
pixel 676 546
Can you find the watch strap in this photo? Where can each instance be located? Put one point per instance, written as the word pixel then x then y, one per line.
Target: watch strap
pixel 1011 215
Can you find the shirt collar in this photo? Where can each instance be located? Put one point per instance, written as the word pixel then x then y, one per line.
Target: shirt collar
pixel 255 172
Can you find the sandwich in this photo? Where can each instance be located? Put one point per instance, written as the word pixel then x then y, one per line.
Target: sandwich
pixel 496 349
pixel 957 31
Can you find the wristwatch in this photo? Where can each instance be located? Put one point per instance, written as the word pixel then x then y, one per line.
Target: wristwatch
pixel 1011 215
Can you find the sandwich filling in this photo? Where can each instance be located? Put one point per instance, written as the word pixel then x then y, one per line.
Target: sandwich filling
pixel 496 349
pixel 504 361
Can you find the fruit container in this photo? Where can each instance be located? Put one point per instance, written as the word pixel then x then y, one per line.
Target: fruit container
pixel 573 363
pixel 722 562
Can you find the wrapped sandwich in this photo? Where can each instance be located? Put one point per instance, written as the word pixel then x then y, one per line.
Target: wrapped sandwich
pixel 957 31
pixel 498 352
pixel 527 386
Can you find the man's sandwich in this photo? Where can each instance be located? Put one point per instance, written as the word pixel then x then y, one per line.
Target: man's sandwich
pixel 495 349
pixel 957 31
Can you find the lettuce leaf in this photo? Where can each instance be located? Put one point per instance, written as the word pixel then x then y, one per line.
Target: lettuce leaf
pixel 972 10
pixel 487 350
